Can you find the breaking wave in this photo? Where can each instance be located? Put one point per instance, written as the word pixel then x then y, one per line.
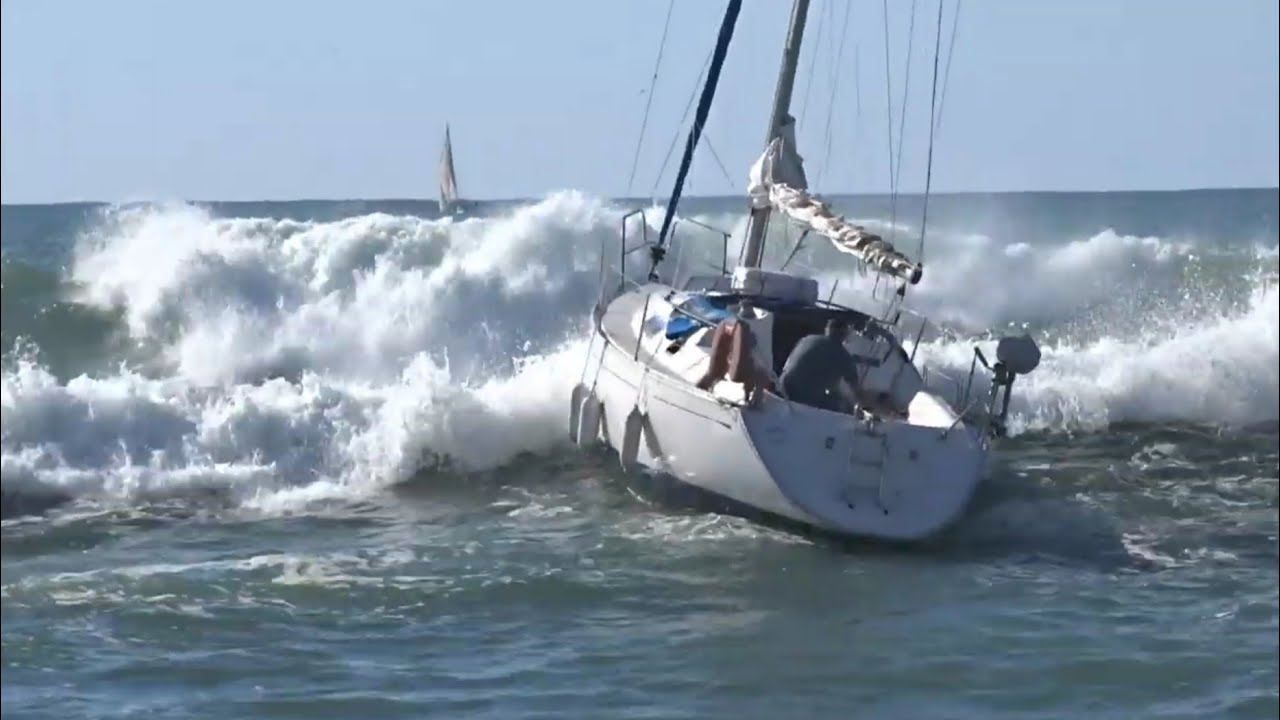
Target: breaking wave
pixel 273 361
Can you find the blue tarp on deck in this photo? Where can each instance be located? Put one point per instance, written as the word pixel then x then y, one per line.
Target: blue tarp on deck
pixel 710 309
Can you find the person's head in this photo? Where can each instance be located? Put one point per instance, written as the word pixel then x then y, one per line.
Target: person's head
pixel 837 328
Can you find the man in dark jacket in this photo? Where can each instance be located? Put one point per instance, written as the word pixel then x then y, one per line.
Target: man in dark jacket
pixel 816 366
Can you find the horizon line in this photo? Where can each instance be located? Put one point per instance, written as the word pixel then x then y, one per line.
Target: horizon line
pixel 528 199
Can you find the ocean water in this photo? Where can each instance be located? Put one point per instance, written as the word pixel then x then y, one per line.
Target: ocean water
pixel 309 459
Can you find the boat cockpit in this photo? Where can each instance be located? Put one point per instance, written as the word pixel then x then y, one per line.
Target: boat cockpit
pixel 780 320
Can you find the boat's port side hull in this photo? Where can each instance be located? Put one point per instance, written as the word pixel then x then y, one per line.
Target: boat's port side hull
pixel 687 434
pixel 792 461
pixel 895 477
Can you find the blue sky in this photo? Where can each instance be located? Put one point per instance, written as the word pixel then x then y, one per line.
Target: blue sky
pixel 278 99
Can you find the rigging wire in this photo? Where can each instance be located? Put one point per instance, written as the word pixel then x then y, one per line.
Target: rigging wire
pixel 705 98
pixel 831 103
pixel 794 250
pixel 896 183
pixel 813 71
pixel 720 164
pixel 857 101
pixel 946 74
pixel 933 99
pixel 653 192
pixel 906 86
pixel 648 103
pixel 888 107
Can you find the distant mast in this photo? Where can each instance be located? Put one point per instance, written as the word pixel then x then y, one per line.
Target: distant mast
pixel 448 180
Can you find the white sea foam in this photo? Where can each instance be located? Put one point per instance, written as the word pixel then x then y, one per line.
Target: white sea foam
pixel 304 360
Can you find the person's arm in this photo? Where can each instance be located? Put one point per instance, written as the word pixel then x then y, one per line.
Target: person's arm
pixel 848 391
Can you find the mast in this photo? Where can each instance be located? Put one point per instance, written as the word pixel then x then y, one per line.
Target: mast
pixel 658 250
pixel 781 113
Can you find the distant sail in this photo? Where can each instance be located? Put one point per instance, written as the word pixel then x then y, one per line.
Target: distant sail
pixel 448 180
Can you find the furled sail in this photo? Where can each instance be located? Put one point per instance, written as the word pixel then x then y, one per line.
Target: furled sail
pixel 448 181
pixel 778 181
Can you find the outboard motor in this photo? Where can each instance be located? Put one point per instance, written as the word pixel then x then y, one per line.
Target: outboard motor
pixel 1016 355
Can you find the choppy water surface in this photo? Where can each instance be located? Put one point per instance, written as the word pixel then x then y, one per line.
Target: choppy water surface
pixel 216 418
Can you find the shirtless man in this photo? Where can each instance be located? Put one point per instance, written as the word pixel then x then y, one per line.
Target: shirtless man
pixel 732 343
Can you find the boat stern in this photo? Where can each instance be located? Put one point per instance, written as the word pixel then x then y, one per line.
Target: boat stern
pixel 887 479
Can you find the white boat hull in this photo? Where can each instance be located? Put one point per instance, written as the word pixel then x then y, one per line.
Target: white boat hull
pixel 886 479
pixel 901 465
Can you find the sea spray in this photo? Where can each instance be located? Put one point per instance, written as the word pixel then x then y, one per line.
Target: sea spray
pixel 277 361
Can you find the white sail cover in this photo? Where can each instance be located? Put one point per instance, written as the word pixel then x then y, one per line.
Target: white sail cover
pixel 778 181
pixel 448 181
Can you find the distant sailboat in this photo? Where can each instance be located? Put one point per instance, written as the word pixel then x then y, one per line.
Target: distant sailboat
pixel 450 204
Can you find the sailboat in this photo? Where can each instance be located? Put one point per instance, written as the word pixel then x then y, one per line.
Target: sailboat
pixel 900 464
pixel 449 202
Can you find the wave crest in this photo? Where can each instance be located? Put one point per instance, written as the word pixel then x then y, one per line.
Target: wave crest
pixel 288 360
